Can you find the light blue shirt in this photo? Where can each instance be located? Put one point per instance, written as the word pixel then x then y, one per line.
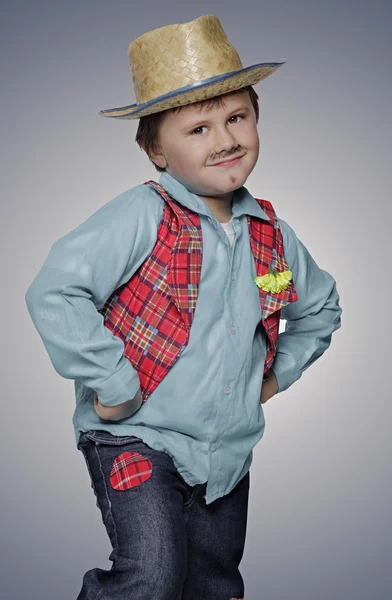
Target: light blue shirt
pixel 206 412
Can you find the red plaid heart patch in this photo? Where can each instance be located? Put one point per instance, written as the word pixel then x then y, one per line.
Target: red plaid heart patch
pixel 129 470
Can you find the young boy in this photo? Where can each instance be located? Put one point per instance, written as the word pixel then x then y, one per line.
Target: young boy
pixel 164 307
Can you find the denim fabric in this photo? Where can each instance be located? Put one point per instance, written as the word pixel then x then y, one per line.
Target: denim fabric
pixel 168 544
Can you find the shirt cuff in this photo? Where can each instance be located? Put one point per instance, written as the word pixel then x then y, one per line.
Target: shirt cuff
pixel 119 387
pixel 286 371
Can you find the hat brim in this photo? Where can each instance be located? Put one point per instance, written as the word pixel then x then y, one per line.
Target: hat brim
pixel 202 90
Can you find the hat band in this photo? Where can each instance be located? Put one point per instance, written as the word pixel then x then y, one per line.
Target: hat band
pixel 191 86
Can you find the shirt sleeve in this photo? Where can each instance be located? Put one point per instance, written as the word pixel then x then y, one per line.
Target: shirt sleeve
pixel 81 271
pixel 311 320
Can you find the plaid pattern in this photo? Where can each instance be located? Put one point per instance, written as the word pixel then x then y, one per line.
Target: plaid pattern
pixel 153 312
pixel 267 247
pixel 129 470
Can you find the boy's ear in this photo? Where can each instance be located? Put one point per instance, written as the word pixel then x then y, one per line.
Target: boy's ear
pixel 158 159
pixel 155 157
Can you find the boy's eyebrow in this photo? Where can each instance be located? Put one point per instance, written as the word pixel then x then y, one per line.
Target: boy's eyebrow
pixel 242 108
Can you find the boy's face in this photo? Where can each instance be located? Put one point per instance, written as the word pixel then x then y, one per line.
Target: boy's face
pixel 194 140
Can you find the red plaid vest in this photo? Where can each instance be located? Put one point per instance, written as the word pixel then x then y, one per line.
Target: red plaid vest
pixel 153 312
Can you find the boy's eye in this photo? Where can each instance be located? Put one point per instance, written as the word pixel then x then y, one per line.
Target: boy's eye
pixel 232 117
pixel 197 129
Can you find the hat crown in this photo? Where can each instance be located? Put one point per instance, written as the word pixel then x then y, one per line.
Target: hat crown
pixel 168 58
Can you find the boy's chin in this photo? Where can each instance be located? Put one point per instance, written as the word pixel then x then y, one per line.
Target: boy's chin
pixel 233 181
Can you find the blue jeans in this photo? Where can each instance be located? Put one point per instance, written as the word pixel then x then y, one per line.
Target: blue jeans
pixel 167 543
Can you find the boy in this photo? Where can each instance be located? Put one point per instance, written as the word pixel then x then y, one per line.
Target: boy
pixel 169 398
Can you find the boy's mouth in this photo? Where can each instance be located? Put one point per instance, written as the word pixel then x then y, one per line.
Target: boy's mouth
pixel 229 163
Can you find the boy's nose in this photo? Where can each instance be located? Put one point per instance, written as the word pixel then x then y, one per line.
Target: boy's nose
pixel 224 142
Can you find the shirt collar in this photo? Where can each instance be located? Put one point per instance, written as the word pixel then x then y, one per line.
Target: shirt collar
pixel 243 201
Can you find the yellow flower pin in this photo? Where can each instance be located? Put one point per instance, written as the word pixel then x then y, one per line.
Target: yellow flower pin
pixel 273 281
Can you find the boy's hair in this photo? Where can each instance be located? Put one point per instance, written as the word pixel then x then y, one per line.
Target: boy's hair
pixel 148 129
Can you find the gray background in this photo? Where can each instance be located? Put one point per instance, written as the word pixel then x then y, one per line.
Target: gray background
pixel 319 518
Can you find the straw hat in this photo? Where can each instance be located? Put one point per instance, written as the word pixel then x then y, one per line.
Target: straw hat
pixel 184 63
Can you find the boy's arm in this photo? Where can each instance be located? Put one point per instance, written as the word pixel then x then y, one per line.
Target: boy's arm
pixel 311 320
pixel 82 270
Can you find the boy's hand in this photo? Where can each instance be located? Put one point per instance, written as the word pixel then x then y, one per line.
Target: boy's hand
pixel 113 413
pixel 269 387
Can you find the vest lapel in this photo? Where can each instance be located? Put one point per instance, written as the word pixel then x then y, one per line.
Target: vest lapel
pixel 184 269
pixel 267 249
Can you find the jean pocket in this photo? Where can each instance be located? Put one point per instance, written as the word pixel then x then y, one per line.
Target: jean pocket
pixel 123 467
pixel 105 437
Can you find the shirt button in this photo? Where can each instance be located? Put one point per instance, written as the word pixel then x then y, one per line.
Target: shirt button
pixel 227 389
pixel 213 447
pixel 234 329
